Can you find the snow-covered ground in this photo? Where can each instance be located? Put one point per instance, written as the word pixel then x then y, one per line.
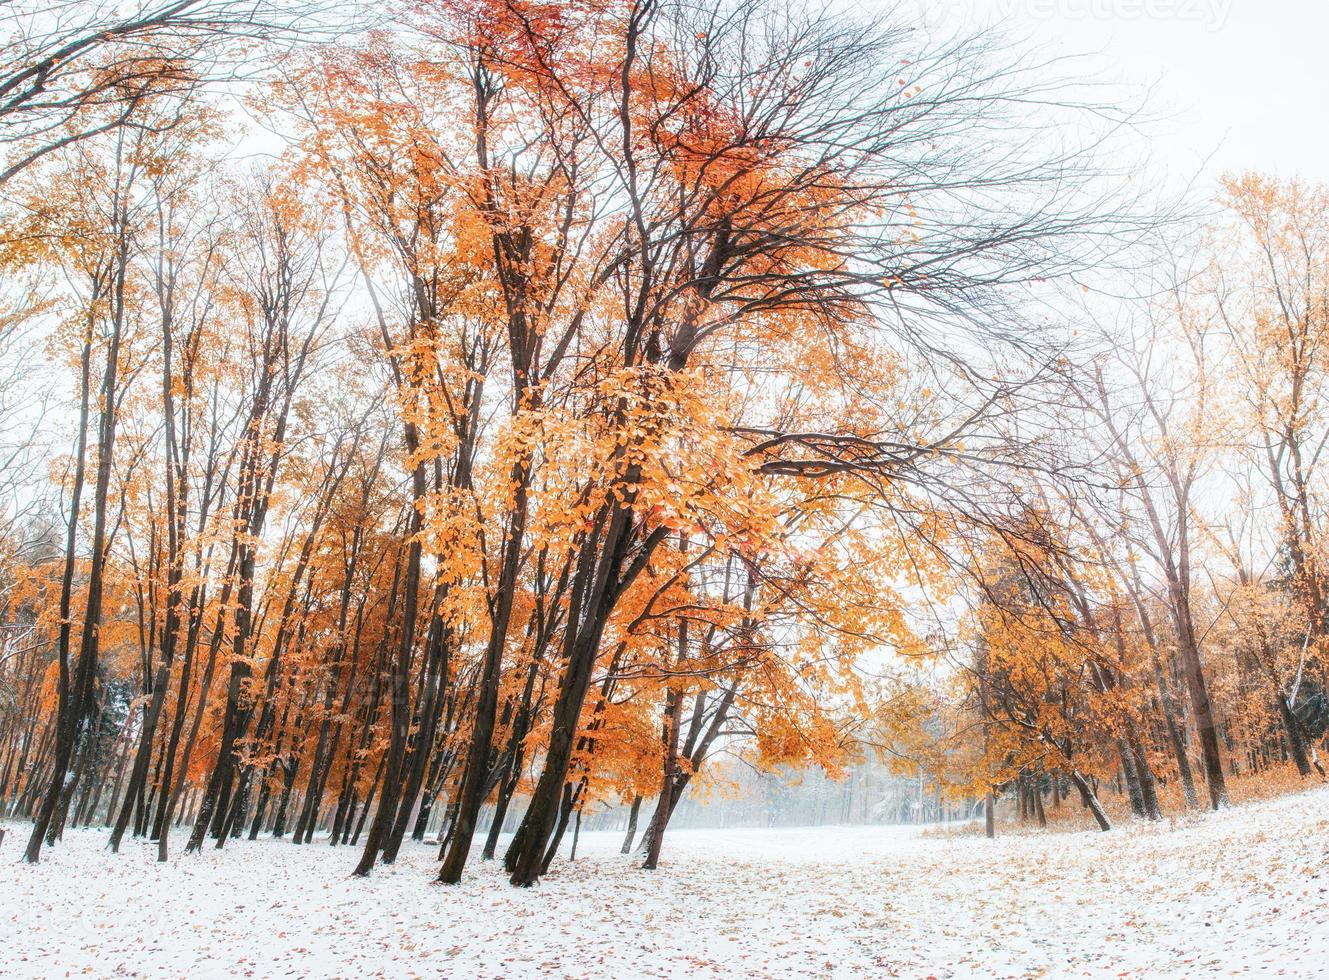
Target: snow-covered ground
pixel 1244 892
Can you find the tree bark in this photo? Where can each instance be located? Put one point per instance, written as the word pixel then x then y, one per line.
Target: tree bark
pixel 632 825
pixel 1090 799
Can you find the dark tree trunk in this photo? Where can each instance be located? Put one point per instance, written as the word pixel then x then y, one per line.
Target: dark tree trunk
pixel 601 581
pixel 1145 775
pixel 576 835
pixel 1295 740
pixel 632 825
pixel 1175 735
pixel 68 709
pixel 399 682
pixel 1131 778
pixel 665 804
pixel 139 774
pixel 475 774
pixel 1090 799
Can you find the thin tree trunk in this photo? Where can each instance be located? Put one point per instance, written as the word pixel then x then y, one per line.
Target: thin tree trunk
pixel 1295 741
pixel 1090 799
pixel 632 825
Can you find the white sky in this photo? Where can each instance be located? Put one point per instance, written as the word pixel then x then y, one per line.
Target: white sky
pixel 1235 84
pixel 1232 84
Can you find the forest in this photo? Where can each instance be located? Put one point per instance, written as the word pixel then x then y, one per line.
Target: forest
pixel 426 428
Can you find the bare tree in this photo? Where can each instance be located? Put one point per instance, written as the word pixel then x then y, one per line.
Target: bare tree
pixel 72 69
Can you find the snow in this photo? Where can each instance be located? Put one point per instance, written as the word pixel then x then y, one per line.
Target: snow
pixel 1242 892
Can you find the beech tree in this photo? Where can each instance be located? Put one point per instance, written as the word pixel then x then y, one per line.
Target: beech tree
pixel 589 395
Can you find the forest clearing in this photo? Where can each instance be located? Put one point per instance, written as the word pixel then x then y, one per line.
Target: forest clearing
pixel 1241 892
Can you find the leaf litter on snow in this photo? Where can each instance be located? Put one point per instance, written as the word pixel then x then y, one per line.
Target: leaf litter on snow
pixel 1242 891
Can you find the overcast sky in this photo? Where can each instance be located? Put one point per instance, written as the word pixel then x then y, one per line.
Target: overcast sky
pixel 1236 84
pixel 1233 84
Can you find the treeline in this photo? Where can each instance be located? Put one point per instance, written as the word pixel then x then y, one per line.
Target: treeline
pixel 1164 626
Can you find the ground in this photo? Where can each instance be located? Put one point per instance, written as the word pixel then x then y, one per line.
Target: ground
pixel 1242 892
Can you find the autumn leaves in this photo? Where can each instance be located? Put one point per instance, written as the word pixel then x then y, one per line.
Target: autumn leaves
pixel 563 406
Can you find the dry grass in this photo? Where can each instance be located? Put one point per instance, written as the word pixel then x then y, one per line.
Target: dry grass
pixel 1278 780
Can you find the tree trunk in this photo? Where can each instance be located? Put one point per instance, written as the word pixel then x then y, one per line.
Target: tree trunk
pixel 1145 775
pixel 576 835
pixel 1131 778
pixel 1295 741
pixel 1175 735
pixel 632 825
pixel 1090 799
